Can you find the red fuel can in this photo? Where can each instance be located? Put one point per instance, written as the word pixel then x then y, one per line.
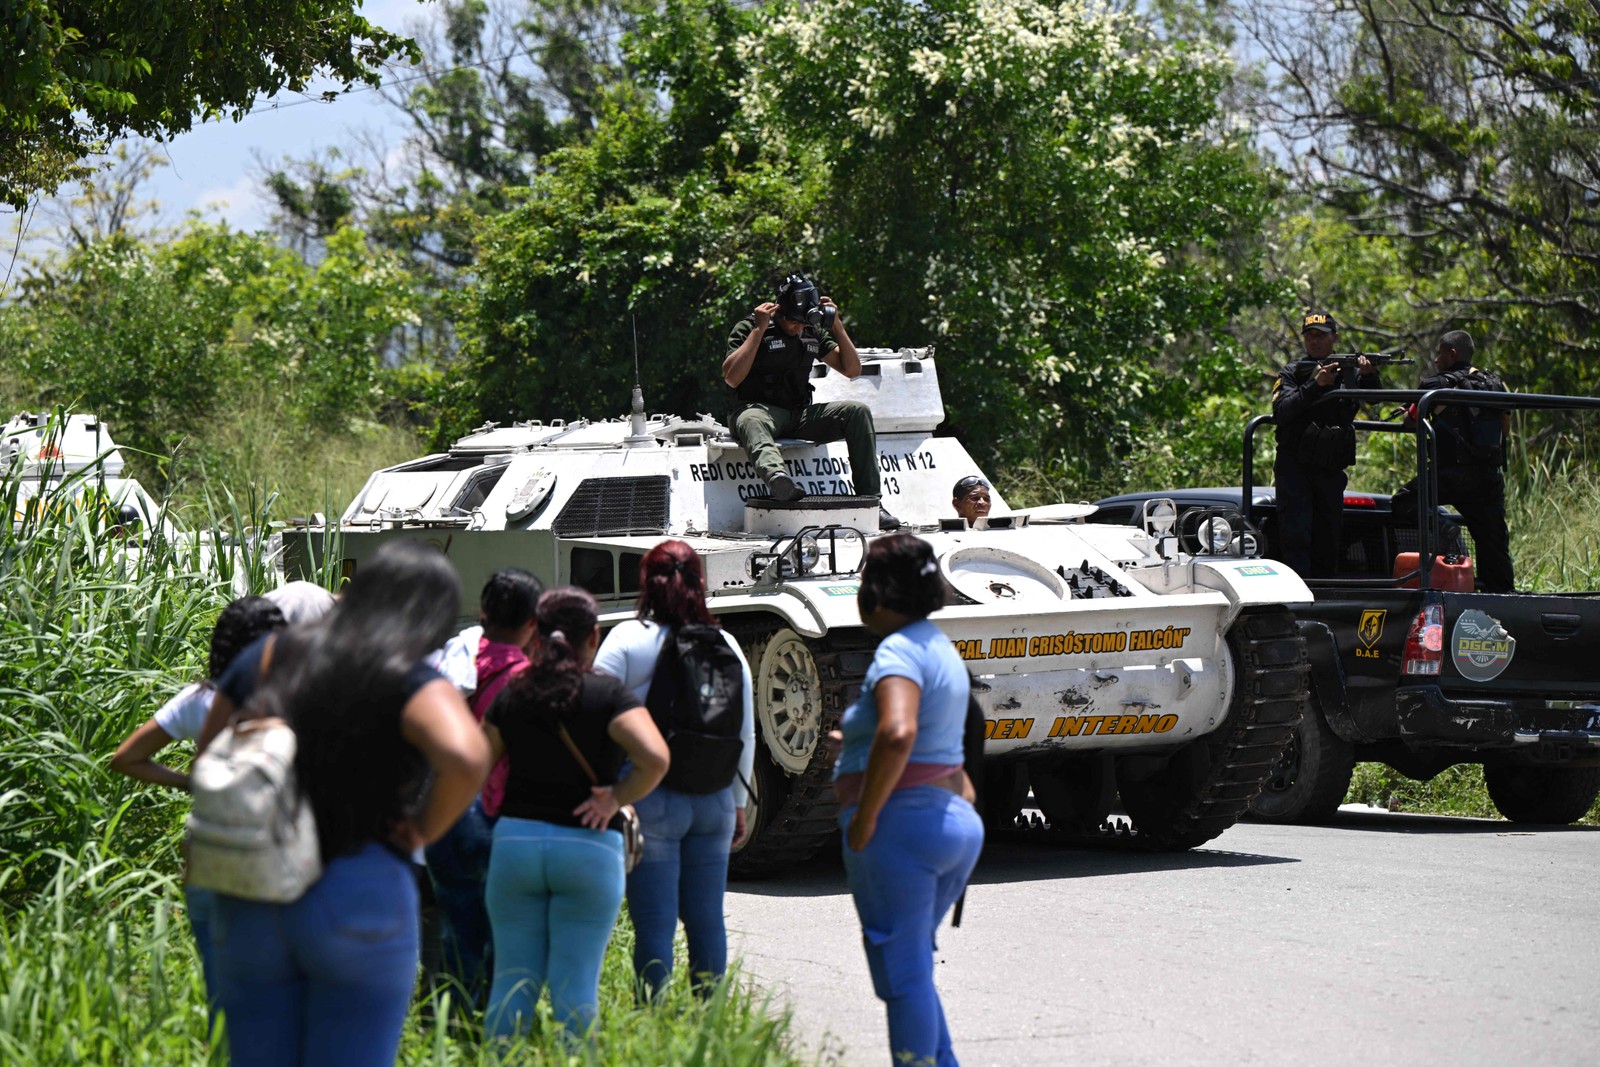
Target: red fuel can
pixel 1453 574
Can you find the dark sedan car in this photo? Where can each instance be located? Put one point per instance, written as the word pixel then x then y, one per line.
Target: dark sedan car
pixel 1369 542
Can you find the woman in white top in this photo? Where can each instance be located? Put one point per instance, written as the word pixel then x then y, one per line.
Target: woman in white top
pixel 180 719
pixel 687 832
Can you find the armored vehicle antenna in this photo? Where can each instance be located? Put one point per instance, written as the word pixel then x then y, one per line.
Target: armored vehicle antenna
pixel 637 437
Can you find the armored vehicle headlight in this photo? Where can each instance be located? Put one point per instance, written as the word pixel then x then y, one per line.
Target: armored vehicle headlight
pixel 1216 534
pixel 810 553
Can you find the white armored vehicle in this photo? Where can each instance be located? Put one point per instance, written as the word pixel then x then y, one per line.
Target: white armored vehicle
pixel 1105 661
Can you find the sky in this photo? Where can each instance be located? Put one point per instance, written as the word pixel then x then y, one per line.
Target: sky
pixel 213 167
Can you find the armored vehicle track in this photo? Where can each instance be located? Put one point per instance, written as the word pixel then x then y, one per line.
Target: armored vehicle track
pixel 803 686
pixel 1207 785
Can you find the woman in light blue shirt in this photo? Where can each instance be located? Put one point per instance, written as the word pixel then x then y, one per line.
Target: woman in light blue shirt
pixel 910 831
pixel 687 835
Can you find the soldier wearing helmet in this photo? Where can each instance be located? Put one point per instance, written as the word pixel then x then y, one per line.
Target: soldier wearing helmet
pixel 768 366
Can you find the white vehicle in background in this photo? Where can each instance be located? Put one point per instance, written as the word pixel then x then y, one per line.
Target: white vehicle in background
pixel 68 465
pixel 62 469
pixel 1106 660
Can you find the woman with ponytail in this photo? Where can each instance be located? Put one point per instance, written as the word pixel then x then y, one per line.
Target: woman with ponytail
pixel 687 836
pixel 556 870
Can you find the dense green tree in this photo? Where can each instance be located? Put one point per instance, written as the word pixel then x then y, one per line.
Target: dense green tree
pixel 1459 141
pixel 75 75
pixel 160 337
pixel 1044 191
pixel 631 225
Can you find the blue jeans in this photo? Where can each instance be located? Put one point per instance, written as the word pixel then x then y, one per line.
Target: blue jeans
pixel 458 866
pixel 683 873
pixel 903 882
pixel 327 979
pixel 199 903
pixel 554 894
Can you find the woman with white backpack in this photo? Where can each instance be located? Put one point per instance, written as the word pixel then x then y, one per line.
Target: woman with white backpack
pixel 698 814
pixel 323 973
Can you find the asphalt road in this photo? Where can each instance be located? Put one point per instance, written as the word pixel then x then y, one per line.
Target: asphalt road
pixel 1378 939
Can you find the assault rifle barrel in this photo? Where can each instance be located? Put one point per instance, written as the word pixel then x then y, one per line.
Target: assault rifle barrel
pixel 1378 359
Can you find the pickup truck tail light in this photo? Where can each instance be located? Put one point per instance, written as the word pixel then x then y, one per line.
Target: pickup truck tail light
pixel 1425 643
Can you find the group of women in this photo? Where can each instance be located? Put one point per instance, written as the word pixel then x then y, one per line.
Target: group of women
pixel 390 757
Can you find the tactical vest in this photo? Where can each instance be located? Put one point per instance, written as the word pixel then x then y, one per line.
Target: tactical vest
pixel 1469 436
pixel 781 373
pixel 1323 438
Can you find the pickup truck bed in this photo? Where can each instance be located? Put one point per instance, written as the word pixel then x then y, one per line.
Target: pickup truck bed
pixel 1424 678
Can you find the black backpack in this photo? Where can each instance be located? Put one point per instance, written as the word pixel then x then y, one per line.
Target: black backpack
pixel 1473 436
pixel 697 701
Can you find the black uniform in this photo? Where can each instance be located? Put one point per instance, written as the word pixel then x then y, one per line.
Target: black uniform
pixel 1315 445
pixel 1470 462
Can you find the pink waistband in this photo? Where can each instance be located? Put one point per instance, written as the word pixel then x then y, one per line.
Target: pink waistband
pixel 848 786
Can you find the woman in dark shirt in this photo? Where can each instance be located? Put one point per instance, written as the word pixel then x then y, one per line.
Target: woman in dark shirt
pixel 556 871
pixel 328 978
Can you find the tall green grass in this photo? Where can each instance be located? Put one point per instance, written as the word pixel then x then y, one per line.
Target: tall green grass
pixel 96 963
pixel 98 967
pixel 262 445
pixel 1553 507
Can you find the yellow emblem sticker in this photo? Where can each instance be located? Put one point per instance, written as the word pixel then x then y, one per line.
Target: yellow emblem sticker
pixel 1369 630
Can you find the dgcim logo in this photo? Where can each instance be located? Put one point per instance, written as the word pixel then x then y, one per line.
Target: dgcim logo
pixel 1480 647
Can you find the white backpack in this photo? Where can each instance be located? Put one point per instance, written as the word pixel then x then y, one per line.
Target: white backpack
pixel 251 834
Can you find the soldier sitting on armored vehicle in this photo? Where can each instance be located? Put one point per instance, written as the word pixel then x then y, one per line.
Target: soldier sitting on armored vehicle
pixel 768 366
pixel 972 498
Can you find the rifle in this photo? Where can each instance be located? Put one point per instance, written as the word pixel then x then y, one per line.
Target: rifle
pixel 1378 359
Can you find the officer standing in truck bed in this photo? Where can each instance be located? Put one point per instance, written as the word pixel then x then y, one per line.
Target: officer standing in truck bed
pixel 1316 443
pixel 1471 455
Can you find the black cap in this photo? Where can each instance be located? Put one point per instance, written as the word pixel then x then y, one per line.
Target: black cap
pixel 1318 322
pixel 967 485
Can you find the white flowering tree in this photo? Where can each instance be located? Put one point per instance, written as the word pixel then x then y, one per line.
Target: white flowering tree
pixel 1046 190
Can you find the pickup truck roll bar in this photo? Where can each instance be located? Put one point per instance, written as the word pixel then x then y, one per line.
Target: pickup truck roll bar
pixel 1427 443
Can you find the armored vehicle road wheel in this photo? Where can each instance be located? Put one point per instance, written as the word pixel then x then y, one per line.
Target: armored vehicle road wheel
pixel 1203 788
pixel 802 685
pixel 1542 794
pixel 1311 777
